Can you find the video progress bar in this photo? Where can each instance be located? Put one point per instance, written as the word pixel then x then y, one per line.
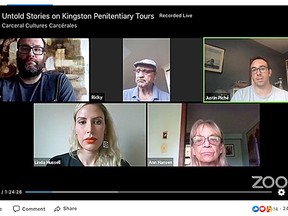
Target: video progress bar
pixel 148 192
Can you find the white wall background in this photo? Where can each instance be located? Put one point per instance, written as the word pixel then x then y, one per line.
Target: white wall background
pixel 164 117
pixel 53 126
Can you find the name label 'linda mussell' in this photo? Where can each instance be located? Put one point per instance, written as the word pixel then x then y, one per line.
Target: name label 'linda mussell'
pixel 45 161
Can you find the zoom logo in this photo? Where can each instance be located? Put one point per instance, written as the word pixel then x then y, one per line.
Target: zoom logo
pixel 269 182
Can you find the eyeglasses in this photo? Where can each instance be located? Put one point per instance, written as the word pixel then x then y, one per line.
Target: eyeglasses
pixel 200 140
pixel 261 69
pixel 25 49
pixel 144 71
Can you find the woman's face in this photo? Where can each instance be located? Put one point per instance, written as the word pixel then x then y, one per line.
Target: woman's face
pixel 90 127
pixel 208 152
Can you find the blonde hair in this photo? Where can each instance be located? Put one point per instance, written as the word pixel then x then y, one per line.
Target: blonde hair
pixel 110 156
pixel 222 161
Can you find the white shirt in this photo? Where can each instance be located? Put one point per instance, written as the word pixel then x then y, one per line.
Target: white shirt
pixel 248 94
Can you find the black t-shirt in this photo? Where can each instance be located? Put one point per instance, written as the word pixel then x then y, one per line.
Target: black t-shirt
pixel 51 87
pixel 67 160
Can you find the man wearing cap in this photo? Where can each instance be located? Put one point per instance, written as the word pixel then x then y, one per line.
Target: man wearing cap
pixel 146 90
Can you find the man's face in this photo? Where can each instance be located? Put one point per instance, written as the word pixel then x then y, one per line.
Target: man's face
pixel 145 76
pixel 260 73
pixel 30 61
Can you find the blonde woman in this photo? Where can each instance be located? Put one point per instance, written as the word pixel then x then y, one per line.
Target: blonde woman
pixel 207 146
pixel 93 141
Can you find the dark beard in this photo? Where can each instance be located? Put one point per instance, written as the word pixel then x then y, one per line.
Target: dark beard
pixel 29 71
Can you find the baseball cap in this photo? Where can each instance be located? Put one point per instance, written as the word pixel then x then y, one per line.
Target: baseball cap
pixel 147 62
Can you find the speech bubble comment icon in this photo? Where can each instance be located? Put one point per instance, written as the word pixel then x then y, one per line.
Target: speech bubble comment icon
pixel 16 208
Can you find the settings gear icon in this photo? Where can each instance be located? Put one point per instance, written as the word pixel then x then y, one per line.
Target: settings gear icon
pixel 281 192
